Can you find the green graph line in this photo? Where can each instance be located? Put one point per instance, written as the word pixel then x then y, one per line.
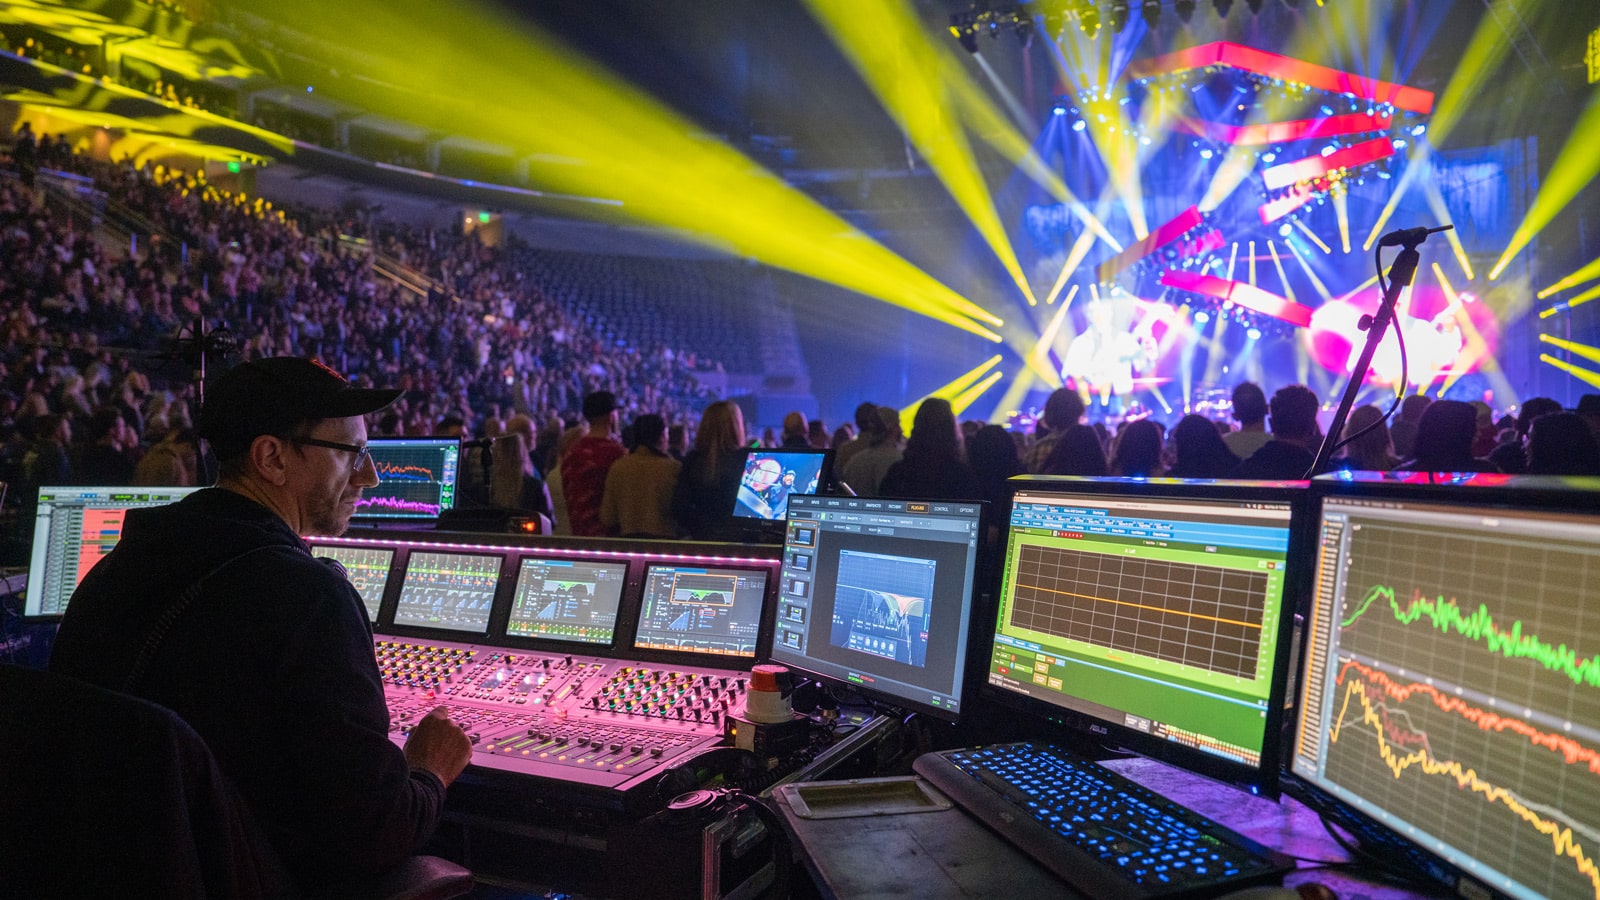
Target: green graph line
pixel 1479 625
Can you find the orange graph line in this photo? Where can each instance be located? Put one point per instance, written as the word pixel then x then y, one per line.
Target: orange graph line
pixel 1562 840
pixel 1159 609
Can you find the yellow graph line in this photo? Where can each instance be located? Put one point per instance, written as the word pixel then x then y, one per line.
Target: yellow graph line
pixel 1159 609
pixel 1561 838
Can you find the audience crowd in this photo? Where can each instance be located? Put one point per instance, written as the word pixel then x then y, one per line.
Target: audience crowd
pixel 87 394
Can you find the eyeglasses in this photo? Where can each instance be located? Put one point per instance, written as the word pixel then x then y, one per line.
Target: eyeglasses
pixel 363 453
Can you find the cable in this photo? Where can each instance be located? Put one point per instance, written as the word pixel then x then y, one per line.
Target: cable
pixel 1405 370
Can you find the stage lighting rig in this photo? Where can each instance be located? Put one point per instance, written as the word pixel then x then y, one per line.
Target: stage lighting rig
pixel 966 25
pixel 1255 6
pixel 1222 7
pixel 1152 12
pixel 1089 21
pixel 1184 9
pixel 1119 16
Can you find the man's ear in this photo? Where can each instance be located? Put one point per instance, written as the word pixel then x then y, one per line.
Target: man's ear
pixel 267 459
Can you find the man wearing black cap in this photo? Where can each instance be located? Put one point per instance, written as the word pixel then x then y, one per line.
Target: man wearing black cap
pixel 215 608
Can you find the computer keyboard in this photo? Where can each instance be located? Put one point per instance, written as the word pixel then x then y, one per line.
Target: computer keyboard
pixel 1098 831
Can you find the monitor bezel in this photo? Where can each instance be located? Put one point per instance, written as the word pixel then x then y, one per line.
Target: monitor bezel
pixel 1083 730
pixel 376 442
pixel 974 603
pixel 1381 843
pixel 824 483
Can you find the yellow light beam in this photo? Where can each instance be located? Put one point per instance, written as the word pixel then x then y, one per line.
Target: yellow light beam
pixel 1441 215
pixel 1575 166
pixel 1588 273
pixel 1475 348
pixel 1322 289
pixel 1039 357
pixel 1341 209
pixel 1587 376
pixel 1479 63
pixel 1252 262
pixel 1312 235
pixel 1420 162
pixel 1592 354
pixel 960 402
pixel 1277 262
pixel 1015 391
pixel 1579 300
pixel 888 47
pixel 1080 249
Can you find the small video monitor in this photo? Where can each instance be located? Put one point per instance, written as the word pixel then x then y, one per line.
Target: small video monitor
pixel 74 528
pixel 567 599
pixel 701 609
pixel 366 567
pixel 453 591
pixel 877 595
pixel 771 477
pixel 417 479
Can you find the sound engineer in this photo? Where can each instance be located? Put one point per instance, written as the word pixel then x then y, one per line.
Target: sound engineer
pixel 215 608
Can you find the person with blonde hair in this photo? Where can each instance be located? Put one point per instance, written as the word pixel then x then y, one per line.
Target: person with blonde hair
pixel 513 483
pixel 702 501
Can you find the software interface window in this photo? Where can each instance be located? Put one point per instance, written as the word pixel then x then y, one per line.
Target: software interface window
pixel 1158 614
pixel 454 591
pixel 74 528
pixel 1450 685
pixel 367 568
pixel 416 478
pixel 701 609
pixel 874 593
pixel 568 600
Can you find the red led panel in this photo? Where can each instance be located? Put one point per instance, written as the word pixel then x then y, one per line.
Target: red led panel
pixel 1241 294
pixel 1274 210
pixel 1314 167
pixel 1166 234
pixel 1273 65
pixel 1285 132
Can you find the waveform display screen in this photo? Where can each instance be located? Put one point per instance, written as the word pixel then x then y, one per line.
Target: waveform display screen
pixel 367 568
pixel 74 528
pixel 567 600
pixel 877 594
pixel 772 476
pixel 417 478
pixel 448 590
pixel 701 609
pixel 1452 684
pixel 1156 615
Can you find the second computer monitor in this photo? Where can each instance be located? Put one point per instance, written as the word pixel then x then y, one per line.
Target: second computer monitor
pixel 567 599
pixel 877 594
pixel 417 478
pixel 696 608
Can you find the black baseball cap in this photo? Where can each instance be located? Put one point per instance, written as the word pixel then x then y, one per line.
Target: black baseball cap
pixel 272 396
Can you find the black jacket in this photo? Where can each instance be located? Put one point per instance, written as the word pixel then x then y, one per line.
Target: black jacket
pixel 272 664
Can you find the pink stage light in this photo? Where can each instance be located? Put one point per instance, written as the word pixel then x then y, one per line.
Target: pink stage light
pixel 1240 294
pixel 1314 167
pixel 1435 346
pixel 1273 65
pixel 1186 221
pixel 1285 132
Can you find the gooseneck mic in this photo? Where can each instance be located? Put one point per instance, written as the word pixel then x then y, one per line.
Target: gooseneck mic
pixel 1410 237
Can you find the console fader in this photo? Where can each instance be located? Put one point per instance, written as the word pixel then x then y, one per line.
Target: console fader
pixel 607 723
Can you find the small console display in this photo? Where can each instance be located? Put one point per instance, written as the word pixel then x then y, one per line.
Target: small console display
pixel 366 567
pixel 454 591
pixel 701 609
pixel 566 600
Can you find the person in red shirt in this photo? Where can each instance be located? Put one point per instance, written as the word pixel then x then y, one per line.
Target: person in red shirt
pixel 585 464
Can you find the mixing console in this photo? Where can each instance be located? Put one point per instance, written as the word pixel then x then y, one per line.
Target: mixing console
pixel 605 723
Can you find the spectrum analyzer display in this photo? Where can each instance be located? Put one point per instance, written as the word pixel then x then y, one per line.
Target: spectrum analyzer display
pixel 1452 685
pixel 416 478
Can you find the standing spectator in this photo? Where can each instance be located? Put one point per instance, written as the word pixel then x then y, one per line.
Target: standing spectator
pixel 638 496
pixel 105 461
pixel 994 459
pixel 46 462
pixel 1078 451
pixel 1201 452
pixel 817 435
pixel 1511 456
pixel 867 467
pixel 1372 451
pixel 1138 451
pixel 1444 440
pixel 1561 444
pixel 932 466
pixel 1289 455
pixel 702 501
pixel 678 441
pixel 513 483
pixel 796 430
pixel 586 462
pixel 866 420
pixel 1062 410
pixel 1589 411
pixel 1250 409
pixel 1404 431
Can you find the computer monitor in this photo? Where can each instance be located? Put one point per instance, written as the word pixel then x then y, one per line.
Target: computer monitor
pixel 877 595
pixel 417 478
pixel 572 600
pixel 771 477
pixel 1155 614
pixel 73 529
pixel 366 567
pixel 453 591
pixel 701 609
pixel 1451 692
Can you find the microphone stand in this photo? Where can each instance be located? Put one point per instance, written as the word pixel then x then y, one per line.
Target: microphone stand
pixel 1401 273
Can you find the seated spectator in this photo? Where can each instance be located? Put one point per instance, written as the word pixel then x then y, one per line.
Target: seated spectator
pixel 933 465
pixel 1291 452
pixel 1201 452
pixel 1138 450
pixel 1562 444
pixel 1076 451
pixel 172 462
pixel 1444 440
pixel 638 495
pixel 106 460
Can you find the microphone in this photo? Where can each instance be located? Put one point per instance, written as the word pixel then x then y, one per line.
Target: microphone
pixel 1410 237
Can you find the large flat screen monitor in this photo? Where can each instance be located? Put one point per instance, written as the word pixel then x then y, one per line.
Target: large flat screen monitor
pixel 367 568
pixel 1452 677
pixel 877 595
pixel 567 599
pixel 74 528
pixel 701 609
pixel 417 478
pixel 1155 613
pixel 453 591
pixel 771 477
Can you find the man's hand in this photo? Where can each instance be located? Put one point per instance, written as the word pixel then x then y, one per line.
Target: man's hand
pixel 439 745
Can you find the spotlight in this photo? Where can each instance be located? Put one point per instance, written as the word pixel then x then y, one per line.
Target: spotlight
pixel 1255 5
pixel 1222 7
pixel 963 28
pixel 1184 9
pixel 1089 21
pixel 1152 12
pixel 1119 16
pixel 1024 29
